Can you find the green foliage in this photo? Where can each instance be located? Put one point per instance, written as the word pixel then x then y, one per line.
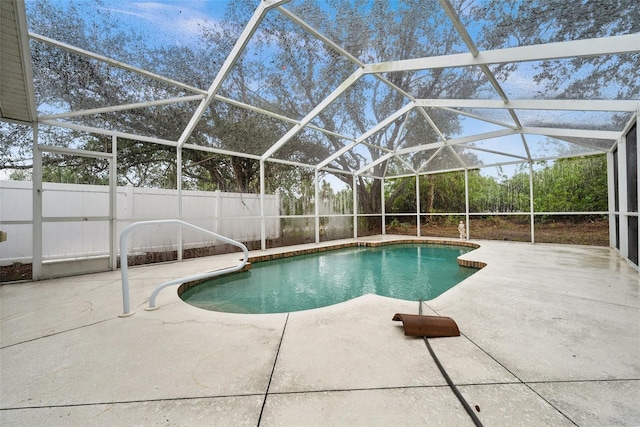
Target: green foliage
pixel 499 193
pixel 446 191
pixel 68 174
pixel 566 185
pixel 572 185
pixel 438 193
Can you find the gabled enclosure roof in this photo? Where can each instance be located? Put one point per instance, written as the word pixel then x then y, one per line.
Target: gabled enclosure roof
pixel 369 108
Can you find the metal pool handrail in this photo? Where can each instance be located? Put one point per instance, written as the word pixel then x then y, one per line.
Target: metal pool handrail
pixel 152 298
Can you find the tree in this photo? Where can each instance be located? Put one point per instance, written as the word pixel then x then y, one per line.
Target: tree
pixel 439 193
pixel 294 59
pixel 288 71
pixel 15 148
pixel 572 185
pixel 546 21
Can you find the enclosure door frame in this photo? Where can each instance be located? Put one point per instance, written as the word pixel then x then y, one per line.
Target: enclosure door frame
pixel 41 271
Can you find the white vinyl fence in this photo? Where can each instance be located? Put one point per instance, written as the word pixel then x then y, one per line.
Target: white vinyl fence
pixel 76 219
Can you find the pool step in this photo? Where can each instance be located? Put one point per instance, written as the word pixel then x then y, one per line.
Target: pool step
pixel 416 325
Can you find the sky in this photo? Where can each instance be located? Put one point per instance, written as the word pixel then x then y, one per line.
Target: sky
pixel 172 21
pixel 166 21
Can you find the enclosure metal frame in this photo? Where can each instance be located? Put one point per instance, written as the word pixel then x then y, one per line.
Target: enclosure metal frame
pixel 580 48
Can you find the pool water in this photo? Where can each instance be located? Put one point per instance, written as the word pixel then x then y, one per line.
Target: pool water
pixel 407 271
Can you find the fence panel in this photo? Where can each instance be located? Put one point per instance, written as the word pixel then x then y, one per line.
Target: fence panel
pixel 216 211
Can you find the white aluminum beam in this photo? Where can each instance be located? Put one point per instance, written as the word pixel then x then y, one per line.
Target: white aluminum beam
pixel 423 147
pixel 377 147
pixel 374 163
pixel 316 195
pixel 367 134
pixel 433 156
pixel 308 28
pixel 477 117
pixel 633 120
pixel 263 224
pixel 407 164
pixel 233 56
pixel 73 152
pixel 123 107
pixel 585 143
pixel 534 104
pixel 36 210
pixel 496 134
pixel 255 109
pixel 418 225
pixel 611 198
pixel 455 141
pixel 396 142
pixel 115 63
pixel 500 153
pixel 100 131
pixel 457 156
pixel 572 49
pixel 277 116
pixel 220 151
pixel 355 206
pixel 595 152
pixel 532 223
pixel 472 167
pixel 381 159
pixel 336 171
pixel 317 110
pixel 577 133
pixel 460 28
pixel 113 205
pixel 431 123
pixel 519 162
pixel 466 38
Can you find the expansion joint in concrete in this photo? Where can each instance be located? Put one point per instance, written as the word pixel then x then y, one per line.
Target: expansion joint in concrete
pixel 273 369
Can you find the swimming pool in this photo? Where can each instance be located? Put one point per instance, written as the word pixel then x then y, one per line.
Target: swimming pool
pixel 405 271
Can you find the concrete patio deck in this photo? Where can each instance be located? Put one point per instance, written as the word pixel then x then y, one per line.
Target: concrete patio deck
pixel 550 336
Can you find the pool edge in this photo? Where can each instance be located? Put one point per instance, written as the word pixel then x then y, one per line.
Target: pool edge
pixel 297 252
